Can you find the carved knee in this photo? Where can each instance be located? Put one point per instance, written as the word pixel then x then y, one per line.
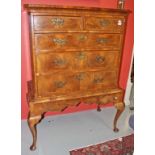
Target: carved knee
pixel 33 120
pixel 119 106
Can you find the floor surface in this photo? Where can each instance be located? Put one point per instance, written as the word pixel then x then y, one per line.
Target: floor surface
pixel 57 135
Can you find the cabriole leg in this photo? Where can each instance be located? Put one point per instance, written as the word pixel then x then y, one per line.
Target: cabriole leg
pixel 98 108
pixel 32 122
pixel 120 108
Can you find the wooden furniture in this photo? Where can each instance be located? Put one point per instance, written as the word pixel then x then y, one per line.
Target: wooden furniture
pixel 76 57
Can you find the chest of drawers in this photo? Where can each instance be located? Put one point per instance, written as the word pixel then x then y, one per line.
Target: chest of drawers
pixel 75 57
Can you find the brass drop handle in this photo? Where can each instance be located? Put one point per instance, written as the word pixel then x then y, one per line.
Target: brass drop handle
pixel 59 62
pixel 102 40
pixel 57 21
pixel 100 59
pixel 60 84
pixel 104 22
pixel 59 41
pixel 98 80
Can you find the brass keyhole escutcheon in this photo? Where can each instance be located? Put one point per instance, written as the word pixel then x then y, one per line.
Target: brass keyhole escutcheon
pixel 57 21
pixel 82 37
pixel 80 56
pixel 104 22
pixel 80 76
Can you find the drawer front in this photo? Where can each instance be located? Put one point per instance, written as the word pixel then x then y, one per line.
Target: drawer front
pixel 103 59
pixel 77 60
pixel 105 23
pixel 98 80
pixel 57 23
pixel 68 82
pixel 54 61
pixel 76 41
pixel 114 98
pixel 57 83
pixel 110 98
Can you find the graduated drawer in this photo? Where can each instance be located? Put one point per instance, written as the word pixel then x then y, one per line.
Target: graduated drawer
pixel 57 23
pixel 66 82
pixel 48 62
pixel 111 24
pixel 74 41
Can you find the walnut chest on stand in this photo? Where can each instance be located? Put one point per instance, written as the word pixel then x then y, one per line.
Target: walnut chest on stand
pixel 75 57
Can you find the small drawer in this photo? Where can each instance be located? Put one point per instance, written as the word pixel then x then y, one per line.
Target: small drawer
pixel 57 23
pixel 105 41
pixel 97 80
pixel 49 62
pixel 107 24
pixel 103 59
pixel 114 98
pixel 104 79
pixel 58 82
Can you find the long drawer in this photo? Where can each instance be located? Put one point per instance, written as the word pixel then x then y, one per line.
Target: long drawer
pixel 77 41
pixel 66 82
pixel 49 62
pixel 117 97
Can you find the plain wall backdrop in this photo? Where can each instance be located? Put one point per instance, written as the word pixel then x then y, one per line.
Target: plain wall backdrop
pixel 25 56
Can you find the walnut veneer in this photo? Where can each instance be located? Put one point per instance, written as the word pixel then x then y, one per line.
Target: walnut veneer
pixel 76 57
